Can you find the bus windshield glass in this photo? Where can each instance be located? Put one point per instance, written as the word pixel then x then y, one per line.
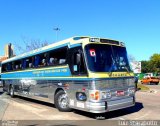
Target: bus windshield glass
pixel 107 58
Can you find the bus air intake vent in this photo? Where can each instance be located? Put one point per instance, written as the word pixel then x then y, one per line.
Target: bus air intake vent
pixel 109 41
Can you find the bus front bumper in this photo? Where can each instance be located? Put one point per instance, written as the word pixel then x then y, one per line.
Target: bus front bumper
pixel 102 107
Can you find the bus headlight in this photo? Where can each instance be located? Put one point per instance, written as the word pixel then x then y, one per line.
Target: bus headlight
pixel 81 96
pixel 97 95
pixel 106 94
pixel 131 91
pixel 103 95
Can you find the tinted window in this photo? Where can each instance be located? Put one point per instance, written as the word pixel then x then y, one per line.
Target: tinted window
pixel 106 58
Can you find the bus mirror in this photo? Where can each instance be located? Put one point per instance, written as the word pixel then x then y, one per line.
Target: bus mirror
pixel 78 59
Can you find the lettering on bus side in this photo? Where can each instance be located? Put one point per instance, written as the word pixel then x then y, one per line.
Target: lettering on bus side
pixel 118 75
pixel 64 70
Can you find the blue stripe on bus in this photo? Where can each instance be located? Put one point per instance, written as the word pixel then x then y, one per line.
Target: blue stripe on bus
pixel 52 78
pixel 69 78
pixel 58 72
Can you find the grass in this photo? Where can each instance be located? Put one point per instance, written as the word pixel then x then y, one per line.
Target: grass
pixel 142 87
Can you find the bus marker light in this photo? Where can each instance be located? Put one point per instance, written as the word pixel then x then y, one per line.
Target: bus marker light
pixel 83 89
pixel 97 95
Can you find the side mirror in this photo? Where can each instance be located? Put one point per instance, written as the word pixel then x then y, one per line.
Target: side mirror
pixel 78 59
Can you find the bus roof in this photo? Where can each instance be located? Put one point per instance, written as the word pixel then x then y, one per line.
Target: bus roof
pixel 70 42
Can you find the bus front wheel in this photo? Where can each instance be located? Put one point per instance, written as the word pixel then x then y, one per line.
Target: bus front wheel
pixel 61 101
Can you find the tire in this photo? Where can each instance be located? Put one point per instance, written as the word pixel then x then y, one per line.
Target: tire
pixel 61 101
pixel 157 83
pixel 3 88
pixel 11 91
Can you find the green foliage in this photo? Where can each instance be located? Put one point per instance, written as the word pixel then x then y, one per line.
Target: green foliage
pixel 142 87
pixel 145 67
pixel 155 62
pixel 153 65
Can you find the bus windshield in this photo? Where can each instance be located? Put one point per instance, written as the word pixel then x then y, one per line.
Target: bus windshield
pixel 107 58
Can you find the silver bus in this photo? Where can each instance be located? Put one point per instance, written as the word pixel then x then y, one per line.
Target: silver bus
pixel 85 73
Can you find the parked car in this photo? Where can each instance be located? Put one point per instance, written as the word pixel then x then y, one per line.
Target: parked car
pixel 158 76
pixel 150 80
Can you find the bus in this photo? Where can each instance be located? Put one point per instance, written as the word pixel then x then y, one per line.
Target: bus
pixel 91 74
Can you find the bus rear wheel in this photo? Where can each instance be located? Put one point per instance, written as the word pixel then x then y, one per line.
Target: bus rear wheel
pixel 62 102
pixel 11 91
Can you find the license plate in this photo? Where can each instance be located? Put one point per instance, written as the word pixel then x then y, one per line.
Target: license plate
pixel 119 93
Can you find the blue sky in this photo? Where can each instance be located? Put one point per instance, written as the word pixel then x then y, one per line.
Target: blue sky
pixel 136 22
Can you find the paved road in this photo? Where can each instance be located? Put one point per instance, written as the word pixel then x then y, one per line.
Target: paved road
pixel 3 105
pixel 147 108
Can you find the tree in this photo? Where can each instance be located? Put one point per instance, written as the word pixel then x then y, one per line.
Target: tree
pixel 131 58
pixel 153 65
pixel 29 45
pixel 155 62
pixel 145 66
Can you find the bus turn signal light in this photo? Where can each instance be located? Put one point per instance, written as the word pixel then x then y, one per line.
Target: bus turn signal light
pixel 94 95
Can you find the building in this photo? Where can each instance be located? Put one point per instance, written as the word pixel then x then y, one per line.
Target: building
pixel 136 66
pixel 8 50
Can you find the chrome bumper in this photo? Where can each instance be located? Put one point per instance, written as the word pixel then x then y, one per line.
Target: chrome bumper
pixel 101 107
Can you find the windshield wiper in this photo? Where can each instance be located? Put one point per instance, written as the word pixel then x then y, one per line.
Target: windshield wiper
pixel 127 70
pixel 112 66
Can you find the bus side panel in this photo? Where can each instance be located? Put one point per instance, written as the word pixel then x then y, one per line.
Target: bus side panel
pixel 6 85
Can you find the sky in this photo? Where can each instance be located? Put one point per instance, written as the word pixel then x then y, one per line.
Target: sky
pixel 135 22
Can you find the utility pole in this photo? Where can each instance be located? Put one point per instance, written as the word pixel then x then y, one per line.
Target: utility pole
pixel 56 29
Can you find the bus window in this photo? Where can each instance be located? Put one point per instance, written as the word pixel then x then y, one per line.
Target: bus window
pixel 17 65
pixel 4 67
pixel 36 61
pixel 62 61
pixel 77 64
pixel 9 67
pixel 43 59
pixel 57 57
pixel 27 63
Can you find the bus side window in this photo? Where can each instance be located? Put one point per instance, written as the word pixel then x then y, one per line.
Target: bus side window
pixel 51 61
pixel 4 68
pixel 13 68
pixel 36 61
pixel 44 58
pixel 43 62
pixel 76 61
pixel 62 61
pixel 9 67
pixel 58 56
pixel 30 65
pixel 17 67
pixel 24 64
pixel 20 66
